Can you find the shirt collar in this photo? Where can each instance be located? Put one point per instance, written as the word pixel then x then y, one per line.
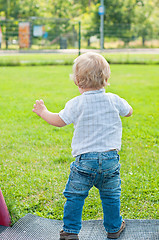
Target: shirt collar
pixel 102 90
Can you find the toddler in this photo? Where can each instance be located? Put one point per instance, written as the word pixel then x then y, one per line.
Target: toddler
pixel 95 144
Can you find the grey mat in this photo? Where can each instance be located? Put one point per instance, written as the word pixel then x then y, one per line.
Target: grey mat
pixel 2 228
pixel 33 227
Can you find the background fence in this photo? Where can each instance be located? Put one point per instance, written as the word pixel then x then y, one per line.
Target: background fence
pixel 55 33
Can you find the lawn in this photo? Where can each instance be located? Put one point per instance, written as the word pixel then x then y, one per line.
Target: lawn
pixel 67 59
pixel 35 156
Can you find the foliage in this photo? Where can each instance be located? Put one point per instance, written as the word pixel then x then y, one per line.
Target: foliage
pixel 126 20
pixel 145 23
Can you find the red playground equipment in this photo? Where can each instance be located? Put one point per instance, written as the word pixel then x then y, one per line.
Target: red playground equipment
pixel 5 219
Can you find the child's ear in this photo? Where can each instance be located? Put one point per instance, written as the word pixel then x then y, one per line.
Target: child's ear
pixel 106 83
pixel 77 81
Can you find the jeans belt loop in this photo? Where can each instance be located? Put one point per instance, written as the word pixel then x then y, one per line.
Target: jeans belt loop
pixel 78 158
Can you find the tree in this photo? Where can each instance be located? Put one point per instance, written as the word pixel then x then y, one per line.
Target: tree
pixel 17 9
pixel 124 20
pixel 146 20
pixel 117 19
pixel 5 10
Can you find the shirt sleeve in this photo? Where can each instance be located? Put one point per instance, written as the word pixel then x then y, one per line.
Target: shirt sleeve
pixel 68 113
pixel 122 105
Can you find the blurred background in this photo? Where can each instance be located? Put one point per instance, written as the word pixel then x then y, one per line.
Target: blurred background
pixel 70 24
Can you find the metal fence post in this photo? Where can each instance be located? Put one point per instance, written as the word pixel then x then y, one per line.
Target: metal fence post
pixel 102 27
pixel 79 39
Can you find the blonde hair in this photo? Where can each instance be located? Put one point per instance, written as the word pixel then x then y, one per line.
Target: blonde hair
pixel 91 70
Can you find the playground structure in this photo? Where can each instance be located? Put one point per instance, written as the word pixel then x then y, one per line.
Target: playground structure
pixel 5 219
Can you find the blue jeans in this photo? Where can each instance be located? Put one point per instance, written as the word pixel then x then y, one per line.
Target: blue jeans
pixel 102 171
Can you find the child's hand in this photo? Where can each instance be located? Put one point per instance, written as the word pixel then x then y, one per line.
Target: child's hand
pixel 39 107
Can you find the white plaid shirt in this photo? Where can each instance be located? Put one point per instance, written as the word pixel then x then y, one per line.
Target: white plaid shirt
pixel 96 119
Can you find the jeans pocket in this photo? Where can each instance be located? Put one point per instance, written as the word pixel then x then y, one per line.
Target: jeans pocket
pixel 111 180
pixel 80 180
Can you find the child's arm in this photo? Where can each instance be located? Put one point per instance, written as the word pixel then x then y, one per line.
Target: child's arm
pixel 52 118
pixel 130 113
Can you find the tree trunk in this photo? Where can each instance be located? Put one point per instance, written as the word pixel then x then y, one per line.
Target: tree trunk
pixel 143 40
pixel 88 42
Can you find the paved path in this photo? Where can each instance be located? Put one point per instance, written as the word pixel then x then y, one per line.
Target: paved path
pixel 76 51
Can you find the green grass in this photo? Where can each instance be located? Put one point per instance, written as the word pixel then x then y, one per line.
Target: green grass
pixel 35 156
pixel 67 59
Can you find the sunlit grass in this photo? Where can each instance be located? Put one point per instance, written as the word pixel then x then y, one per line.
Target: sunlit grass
pixel 67 59
pixel 35 156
